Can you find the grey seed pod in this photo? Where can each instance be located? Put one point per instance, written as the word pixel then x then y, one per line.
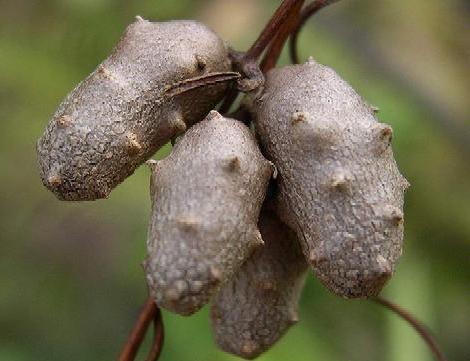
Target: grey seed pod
pixel 254 309
pixel 339 186
pixel 206 198
pixel 121 114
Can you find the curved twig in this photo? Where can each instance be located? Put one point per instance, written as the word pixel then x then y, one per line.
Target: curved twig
pixel 250 58
pixel 272 27
pixel 277 44
pixel 310 10
pixel 147 314
pixel 158 337
pixel 418 326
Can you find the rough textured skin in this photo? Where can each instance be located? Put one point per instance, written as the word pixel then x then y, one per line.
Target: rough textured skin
pixel 206 198
pixel 119 115
pixel 339 186
pixel 254 309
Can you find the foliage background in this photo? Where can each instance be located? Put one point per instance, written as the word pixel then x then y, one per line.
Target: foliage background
pixel 70 277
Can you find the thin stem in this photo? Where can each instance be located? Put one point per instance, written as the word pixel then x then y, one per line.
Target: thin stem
pixel 418 326
pixel 200 81
pixel 158 337
pixel 147 314
pixel 310 10
pixel 250 58
pixel 271 29
pixel 275 49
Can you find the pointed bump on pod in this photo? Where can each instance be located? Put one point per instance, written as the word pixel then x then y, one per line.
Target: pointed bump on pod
pixel 384 135
pixel 293 318
pixel 172 295
pixel 374 109
pixel 258 238
pixel 213 114
pixel 274 170
pixel 200 62
pixel 64 121
pixel 215 274
pixel 105 72
pixel 393 213
pixel 139 18
pixel 132 143
pixel 316 133
pixel 249 348
pixel 405 183
pixel 315 257
pixel 340 180
pixel 310 61
pixel 178 125
pixel 299 117
pixel 187 223
pixel 152 164
pixel 232 164
pixel 54 180
pixel 385 267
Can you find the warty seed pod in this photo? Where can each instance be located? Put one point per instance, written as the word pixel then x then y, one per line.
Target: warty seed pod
pixel 339 186
pixel 127 108
pixel 254 309
pixel 206 198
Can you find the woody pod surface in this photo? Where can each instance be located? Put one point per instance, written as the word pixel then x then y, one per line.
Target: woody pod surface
pixel 123 112
pixel 206 198
pixel 339 187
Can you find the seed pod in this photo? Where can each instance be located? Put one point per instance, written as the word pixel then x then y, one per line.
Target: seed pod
pixel 127 108
pixel 206 199
pixel 339 186
pixel 254 309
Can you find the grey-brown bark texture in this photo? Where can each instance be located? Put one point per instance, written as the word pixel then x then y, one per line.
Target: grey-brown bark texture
pixel 206 198
pixel 339 186
pixel 254 309
pixel 120 115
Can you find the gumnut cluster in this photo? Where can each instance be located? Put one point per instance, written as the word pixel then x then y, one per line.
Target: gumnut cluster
pixel 216 234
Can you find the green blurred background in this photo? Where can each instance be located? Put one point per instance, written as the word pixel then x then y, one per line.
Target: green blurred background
pixel 70 278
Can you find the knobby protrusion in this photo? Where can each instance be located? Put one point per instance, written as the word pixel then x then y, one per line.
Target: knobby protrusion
pixel 385 136
pixel 393 213
pixel 299 117
pixel 233 164
pixel 188 223
pixel 64 121
pixel 200 62
pixel 340 180
pixel 178 125
pixel 250 349
pixel 152 164
pixel 133 143
pixel 54 180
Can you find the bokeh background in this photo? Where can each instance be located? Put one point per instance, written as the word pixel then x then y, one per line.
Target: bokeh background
pixel 70 278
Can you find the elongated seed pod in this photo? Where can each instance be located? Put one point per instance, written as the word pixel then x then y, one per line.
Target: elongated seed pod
pixel 254 309
pixel 127 108
pixel 339 186
pixel 206 199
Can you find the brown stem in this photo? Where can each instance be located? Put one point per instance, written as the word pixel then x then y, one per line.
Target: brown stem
pixel 310 10
pixel 158 337
pixel 418 326
pixel 200 81
pixel 271 28
pixel 250 58
pixel 148 312
pixel 277 44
